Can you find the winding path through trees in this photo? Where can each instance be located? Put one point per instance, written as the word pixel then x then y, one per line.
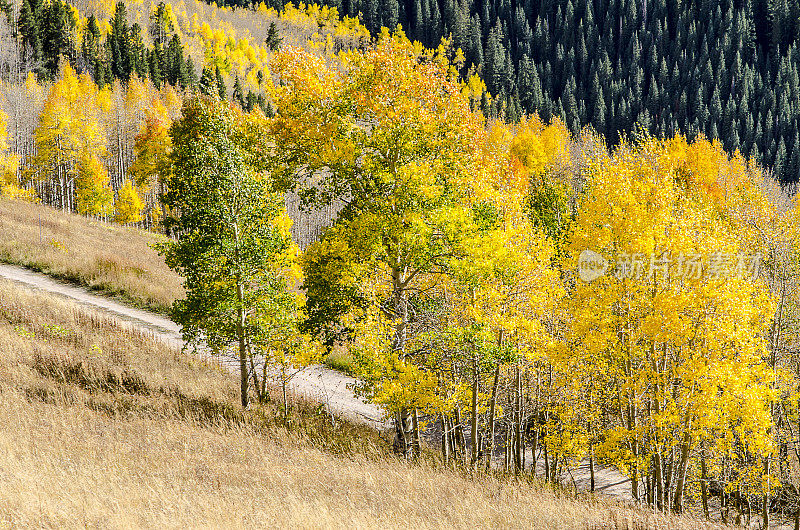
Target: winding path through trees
pixel 316 382
pixel 329 387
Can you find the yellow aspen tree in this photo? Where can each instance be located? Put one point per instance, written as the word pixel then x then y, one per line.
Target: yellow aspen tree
pixel 93 192
pixel 128 205
pixel 69 132
pixel 765 217
pixel 150 165
pixel 502 287
pixel 391 132
pixel 682 346
pixel 9 164
pixel 122 123
pixel 546 162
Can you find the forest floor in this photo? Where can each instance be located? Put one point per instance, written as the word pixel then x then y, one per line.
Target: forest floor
pixel 105 423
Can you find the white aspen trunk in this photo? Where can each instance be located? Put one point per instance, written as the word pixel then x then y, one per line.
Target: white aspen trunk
pixel 704 484
pixel 518 423
pixel 240 323
pixel 681 479
pixel 473 438
pixel 402 443
pixel 459 436
pixel 445 441
pixel 417 446
pixel 492 422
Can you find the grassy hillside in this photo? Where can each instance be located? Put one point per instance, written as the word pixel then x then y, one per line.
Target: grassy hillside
pixel 112 259
pixel 104 427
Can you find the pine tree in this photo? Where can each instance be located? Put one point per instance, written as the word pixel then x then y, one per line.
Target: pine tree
pixel 529 86
pixel 238 94
pixel 160 25
pixel 119 43
pixel 390 13
pixel 90 50
pixel 154 65
pixel 174 60
pixel 221 89
pixel 208 82
pixel 29 32
pixel 273 40
pixel 57 32
pixel 189 78
pixel 138 53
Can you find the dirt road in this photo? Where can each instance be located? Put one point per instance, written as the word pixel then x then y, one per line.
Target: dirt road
pixel 322 384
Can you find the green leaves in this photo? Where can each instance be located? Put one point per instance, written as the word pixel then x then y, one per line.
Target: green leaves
pixel 232 246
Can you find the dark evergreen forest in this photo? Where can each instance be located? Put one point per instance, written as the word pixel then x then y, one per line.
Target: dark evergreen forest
pixel 47 34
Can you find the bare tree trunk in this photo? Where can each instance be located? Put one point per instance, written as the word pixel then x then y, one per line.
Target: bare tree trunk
pixel 704 484
pixel 723 501
pixel 417 446
pixel 508 448
pixel 518 424
pixel 284 381
pixel 459 433
pixel 635 446
pixel 452 436
pixel 445 441
pixel 492 404
pixel 668 480
pixel 534 448
pixel 591 468
pixel 659 482
pixel 681 479
pixel 256 383
pixel 546 464
pixel 240 323
pixel 242 349
pixel 264 382
pixel 473 437
pixel 402 444
pixel 739 508
pixel 658 465
pixel 765 499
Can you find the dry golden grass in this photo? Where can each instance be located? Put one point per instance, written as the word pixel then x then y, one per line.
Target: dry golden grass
pixel 104 427
pixel 339 358
pixel 116 260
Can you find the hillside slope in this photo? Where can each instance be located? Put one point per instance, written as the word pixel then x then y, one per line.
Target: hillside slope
pixel 103 426
pixel 114 260
pixel 321 385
